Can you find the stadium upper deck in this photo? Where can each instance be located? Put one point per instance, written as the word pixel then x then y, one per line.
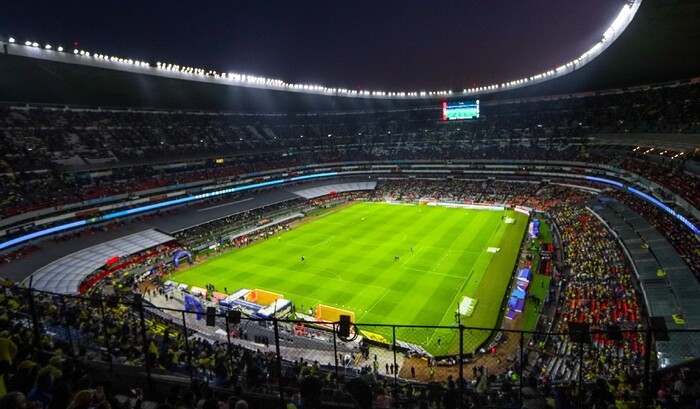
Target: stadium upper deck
pixel 53 156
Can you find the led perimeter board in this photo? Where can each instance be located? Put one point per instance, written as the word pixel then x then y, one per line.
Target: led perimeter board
pixel 456 110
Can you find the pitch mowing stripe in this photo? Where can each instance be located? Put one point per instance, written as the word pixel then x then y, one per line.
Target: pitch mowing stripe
pixel 350 262
pixel 472 283
pixel 494 286
pixel 490 292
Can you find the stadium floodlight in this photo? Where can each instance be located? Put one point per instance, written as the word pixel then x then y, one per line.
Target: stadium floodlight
pixel 609 33
pixel 622 17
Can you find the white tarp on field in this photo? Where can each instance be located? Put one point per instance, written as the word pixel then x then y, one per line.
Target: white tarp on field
pixel 467 306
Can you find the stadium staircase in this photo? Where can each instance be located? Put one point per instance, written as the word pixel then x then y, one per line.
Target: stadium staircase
pixel 257 137
pixel 269 132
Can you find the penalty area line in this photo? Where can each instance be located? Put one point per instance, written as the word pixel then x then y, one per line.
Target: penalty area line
pixel 374 304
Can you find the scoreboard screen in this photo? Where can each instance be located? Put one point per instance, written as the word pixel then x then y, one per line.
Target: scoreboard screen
pixel 456 110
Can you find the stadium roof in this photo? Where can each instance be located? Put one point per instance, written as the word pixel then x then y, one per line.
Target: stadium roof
pixel 660 44
pixel 64 275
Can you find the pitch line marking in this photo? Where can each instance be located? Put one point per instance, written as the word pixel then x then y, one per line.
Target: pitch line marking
pixel 324 242
pixel 432 272
pixel 332 223
pixel 467 278
pixel 410 257
pixel 318 274
pixel 326 238
pixel 403 264
pixel 449 310
pixel 371 307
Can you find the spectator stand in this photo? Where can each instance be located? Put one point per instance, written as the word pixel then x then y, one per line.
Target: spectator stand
pixel 115 148
pixel 670 289
pixel 596 282
pixel 332 189
pixel 65 275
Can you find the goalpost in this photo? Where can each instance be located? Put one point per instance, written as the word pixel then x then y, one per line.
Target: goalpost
pixel 325 313
pixel 263 297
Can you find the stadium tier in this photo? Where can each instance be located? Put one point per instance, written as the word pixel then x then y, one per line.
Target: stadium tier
pixel 509 245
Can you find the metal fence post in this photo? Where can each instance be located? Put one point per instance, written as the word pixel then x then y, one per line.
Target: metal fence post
pixel 521 365
pixel 138 302
pixel 228 346
pixel 68 326
pixel 106 335
pixel 395 395
pixel 580 375
pixel 35 320
pixel 187 347
pixel 280 384
pixel 647 368
pixel 460 381
pixel 335 349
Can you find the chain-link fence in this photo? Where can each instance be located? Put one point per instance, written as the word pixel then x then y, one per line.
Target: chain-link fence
pixel 217 345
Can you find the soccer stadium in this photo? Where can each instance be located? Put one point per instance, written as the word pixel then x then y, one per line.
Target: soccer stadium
pixel 179 237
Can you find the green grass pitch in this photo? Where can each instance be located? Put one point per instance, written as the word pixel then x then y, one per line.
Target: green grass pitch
pixel 349 263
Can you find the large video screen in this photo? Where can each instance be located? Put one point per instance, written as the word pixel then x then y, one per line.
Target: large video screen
pixel 457 110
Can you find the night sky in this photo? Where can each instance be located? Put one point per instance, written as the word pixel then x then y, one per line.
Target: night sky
pixel 378 45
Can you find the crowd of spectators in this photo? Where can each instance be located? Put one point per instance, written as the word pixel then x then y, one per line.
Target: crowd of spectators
pixel 455 190
pixel 219 231
pixel 26 192
pixel 154 260
pixel 42 145
pixel 60 377
pixel 114 334
pixel 598 291
pixel 674 178
pixel 46 152
pixel 553 195
pixel 17 254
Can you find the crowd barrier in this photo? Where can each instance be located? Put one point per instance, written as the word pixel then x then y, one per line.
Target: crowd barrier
pixel 395 355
